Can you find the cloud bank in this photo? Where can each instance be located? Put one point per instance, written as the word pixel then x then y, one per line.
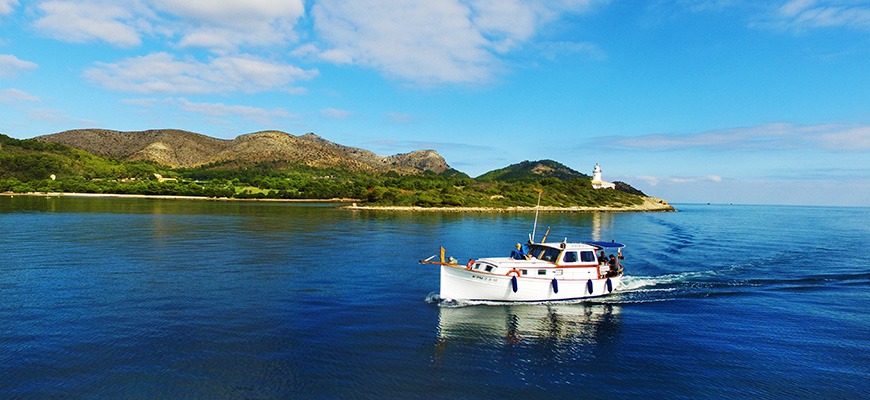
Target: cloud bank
pixel 416 42
pixel 165 73
pixel 776 136
pixel 431 43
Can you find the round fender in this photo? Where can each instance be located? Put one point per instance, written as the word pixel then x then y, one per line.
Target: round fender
pixel 514 283
pixel 555 286
pixel 609 285
pixel 589 286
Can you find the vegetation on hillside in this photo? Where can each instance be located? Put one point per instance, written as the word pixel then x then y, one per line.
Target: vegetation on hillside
pixel 532 171
pixel 34 166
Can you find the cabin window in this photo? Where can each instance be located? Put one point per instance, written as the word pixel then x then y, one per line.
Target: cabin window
pixel 489 268
pixel 476 266
pixel 524 271
pixel 587 256
pixel 542 272
pixel 570 257
pixel 545 253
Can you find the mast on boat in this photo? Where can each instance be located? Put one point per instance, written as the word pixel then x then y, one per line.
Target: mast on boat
pixel 535 225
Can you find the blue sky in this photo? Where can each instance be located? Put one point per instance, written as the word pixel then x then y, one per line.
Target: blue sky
pixel 722 101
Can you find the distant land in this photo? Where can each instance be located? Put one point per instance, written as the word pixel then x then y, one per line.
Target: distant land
pixel 280 166
pixel 177 148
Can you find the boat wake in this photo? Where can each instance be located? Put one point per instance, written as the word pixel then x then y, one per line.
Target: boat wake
pixel 732 280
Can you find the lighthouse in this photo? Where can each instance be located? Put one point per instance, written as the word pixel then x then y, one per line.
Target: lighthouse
pixel 597 182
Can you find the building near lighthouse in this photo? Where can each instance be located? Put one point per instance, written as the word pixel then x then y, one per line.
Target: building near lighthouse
pixel 597 182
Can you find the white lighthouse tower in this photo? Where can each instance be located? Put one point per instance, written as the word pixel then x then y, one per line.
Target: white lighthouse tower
pixel 597 182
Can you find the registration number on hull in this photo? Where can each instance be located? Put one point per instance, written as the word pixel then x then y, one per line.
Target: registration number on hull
pixel 484 278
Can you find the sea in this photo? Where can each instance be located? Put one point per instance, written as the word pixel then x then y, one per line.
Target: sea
pixel 157 298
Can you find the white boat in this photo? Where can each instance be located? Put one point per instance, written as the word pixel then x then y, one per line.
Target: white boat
pixel 547 272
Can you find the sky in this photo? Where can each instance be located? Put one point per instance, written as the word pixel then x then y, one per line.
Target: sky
pixel 693 101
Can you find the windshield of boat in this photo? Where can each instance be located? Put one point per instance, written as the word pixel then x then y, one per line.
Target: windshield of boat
pixel 544 253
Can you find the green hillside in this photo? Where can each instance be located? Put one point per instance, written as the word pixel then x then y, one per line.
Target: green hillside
pixel 28 166
pixel 531 171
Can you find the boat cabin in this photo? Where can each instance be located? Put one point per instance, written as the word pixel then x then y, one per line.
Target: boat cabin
pixel 564 254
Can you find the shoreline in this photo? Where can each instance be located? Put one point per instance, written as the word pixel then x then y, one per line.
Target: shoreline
pixel 650 204
pixel 169 197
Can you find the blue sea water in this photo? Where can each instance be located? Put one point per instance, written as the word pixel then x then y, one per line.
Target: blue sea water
pixel 126 298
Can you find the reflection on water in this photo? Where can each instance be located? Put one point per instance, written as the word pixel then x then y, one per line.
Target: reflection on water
pixel 601 222
pixel 581 323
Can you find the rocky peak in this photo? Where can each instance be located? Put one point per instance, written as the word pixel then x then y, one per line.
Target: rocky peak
pixel 426 160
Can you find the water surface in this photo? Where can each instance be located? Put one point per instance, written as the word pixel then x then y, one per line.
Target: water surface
pixel 117 298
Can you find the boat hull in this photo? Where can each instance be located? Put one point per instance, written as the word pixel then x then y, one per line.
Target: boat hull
pixel 461 284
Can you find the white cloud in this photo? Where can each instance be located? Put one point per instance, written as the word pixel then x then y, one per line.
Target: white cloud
pixel 505 22
pixel 6 6
pixel 16 96
pixel 434 42
pixel 694 179
pixel 163 73
pixel 335 113
pixel 11 65
pixel 430 42
pixel 423 43
pixel 849 138
pixel 264 116
pixel 239 13
pixel 777 136
pixel 649 180
pixel 655 180
pixel 220 26
pixel 142 102
pixel 84 21
pixel 225 25
pixel 799 15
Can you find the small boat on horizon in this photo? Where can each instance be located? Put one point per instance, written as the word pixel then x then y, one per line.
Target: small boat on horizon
pixel 557 271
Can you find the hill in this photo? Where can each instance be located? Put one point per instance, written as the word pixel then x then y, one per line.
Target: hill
pixel 543 169
pixel 29 160
pixel 277 165
pixel 531 170
pixel 183 149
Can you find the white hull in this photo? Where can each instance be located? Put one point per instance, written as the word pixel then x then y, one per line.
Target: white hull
pixel 461 284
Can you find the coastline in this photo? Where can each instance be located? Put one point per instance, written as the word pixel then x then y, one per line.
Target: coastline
pixel 169 197
pixel 650 204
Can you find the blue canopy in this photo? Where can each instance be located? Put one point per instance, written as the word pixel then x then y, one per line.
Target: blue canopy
pixel 613 245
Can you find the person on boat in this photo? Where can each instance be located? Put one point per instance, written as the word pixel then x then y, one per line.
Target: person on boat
pixel 518 253
pixel 602 258
pixel 614 263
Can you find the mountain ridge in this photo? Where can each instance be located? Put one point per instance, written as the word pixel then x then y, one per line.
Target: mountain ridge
pixel 184 149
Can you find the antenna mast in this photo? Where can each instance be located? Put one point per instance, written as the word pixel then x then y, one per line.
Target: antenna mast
pixel 535 226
